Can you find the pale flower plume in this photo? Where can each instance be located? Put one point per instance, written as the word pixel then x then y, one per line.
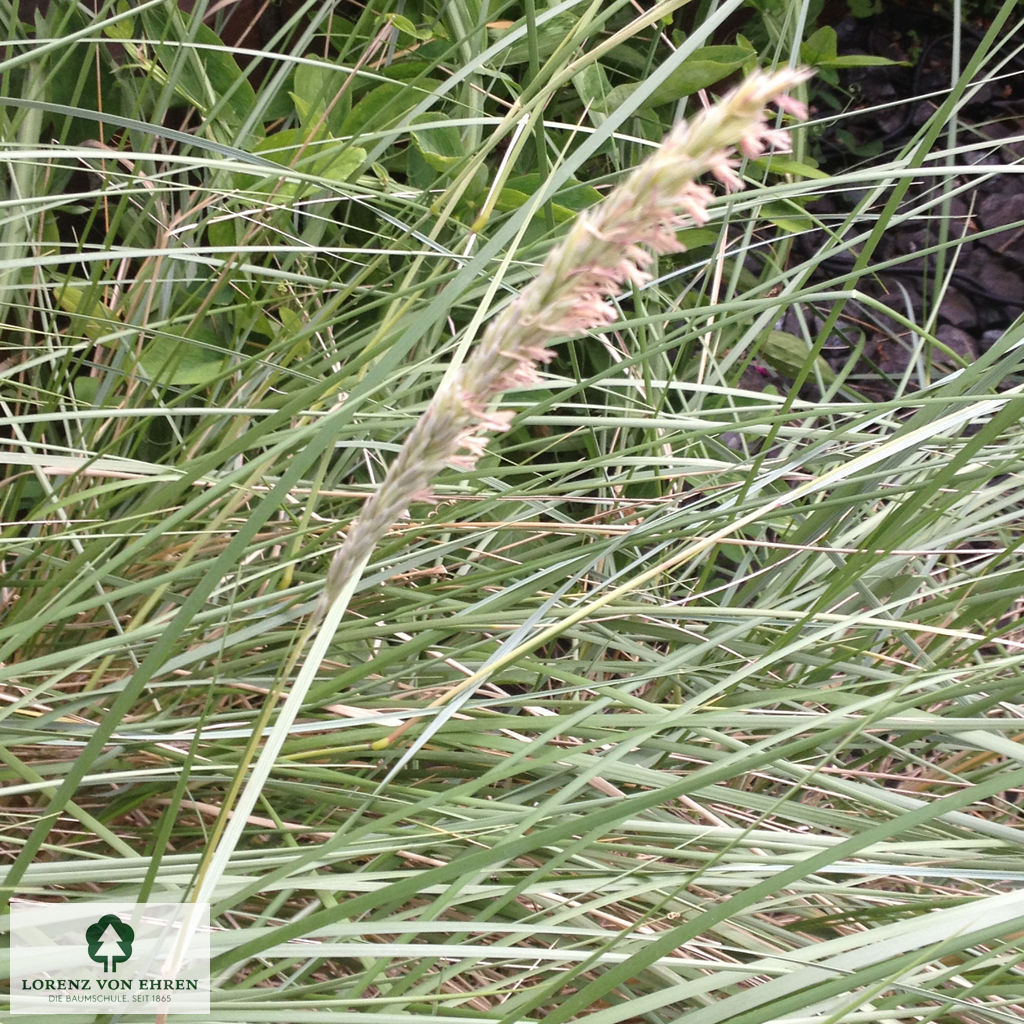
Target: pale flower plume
pixel 606 248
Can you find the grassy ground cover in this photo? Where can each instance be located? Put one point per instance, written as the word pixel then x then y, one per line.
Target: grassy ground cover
pixel 698 694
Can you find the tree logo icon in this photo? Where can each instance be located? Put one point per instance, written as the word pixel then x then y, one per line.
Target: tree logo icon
pixel 110 942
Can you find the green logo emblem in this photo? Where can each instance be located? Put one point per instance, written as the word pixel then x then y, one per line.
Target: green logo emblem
pixel 110 942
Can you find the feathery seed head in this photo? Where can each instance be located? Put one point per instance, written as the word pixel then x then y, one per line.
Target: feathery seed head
pixel 608 247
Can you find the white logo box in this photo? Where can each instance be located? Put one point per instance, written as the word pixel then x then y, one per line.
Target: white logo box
pixel 103 957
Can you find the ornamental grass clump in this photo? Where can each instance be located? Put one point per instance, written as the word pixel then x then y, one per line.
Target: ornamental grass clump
pixel 610 246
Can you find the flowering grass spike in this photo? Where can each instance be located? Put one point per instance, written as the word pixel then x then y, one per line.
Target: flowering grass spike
pixel 610 246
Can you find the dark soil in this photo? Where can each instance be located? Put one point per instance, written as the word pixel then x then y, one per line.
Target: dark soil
pixel 971 293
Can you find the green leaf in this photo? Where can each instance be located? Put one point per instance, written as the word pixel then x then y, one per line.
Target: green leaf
pixel 550 36
pixel 380 108
pixel 223 232
pixel 512 199
pixel 787 215
pixel 696 238
pixel 820 50
pixel 593 88
pixel 123 29
pixel 405 26
pixel 196 358
pixel 788 355
pixel 572 194
pixel 89 316
pixel 865 60
pixel 202 69
pixel 334 160
pixel 780 163
pixel 315 89
pixel 87 391
pixel 438 142
pixel 820 46
pixel 708 65
pixel 565 205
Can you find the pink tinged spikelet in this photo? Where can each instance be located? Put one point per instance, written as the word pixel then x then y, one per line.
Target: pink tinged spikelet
pixel 791 105
pixel 606 248
pixel 490 420
pixel 723 168
pixel 694 204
